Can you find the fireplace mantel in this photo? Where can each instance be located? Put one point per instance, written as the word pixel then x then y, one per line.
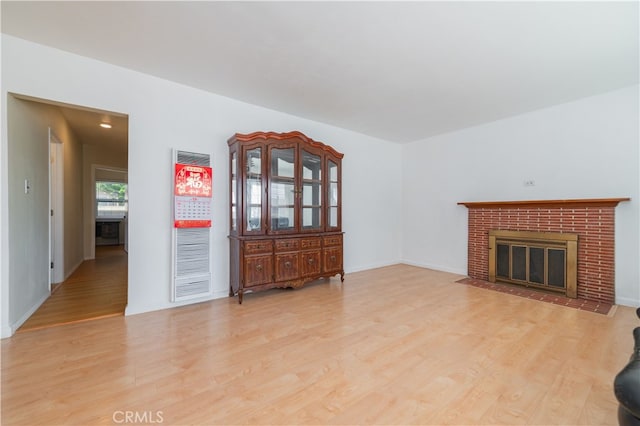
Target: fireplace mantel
pixel 591 202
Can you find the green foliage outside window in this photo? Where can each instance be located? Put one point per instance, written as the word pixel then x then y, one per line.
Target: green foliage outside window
pixel 111 191
pixel 111 200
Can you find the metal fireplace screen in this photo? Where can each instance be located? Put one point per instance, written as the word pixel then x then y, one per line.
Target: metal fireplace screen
pixel 531 264
pixel 537 259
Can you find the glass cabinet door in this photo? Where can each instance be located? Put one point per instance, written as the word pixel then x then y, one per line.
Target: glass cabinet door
pixel 311 191
pixel 253 190
pixel 233 192
pixel 334 195
pixel 282 189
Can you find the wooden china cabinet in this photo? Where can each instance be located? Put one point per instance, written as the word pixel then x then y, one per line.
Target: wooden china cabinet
pixel 285 208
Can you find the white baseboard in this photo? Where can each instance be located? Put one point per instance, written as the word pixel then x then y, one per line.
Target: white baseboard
pixel 6 332
pixel 129 310
pixel 73 269
pixel 436 267
pixel 371 266
pixel 135 310
pixel 626 301
pixel 220 294
pixel 16 325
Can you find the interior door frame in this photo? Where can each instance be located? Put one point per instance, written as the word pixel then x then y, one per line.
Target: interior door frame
pixel 56 209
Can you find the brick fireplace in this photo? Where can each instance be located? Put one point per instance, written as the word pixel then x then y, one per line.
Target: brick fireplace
pixel 591 219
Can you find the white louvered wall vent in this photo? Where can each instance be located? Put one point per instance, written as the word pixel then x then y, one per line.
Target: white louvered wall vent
pixel 191 249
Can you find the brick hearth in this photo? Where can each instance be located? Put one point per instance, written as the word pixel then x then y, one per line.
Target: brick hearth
pixel 592 220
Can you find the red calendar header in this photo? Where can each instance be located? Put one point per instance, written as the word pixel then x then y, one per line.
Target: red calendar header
pixel 193 181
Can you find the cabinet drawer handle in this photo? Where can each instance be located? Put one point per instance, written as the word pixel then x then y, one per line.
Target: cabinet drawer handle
pixel 311 260
pixel 258 268
pixel 287 264
pixel 333 258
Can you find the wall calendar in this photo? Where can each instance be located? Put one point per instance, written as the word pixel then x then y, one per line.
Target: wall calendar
pixel 192 196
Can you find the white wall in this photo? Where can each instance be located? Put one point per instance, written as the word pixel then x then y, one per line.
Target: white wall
pixel 73 197
pixel 164 115
pixel 29 220
pixel 583 149
pixel 28 213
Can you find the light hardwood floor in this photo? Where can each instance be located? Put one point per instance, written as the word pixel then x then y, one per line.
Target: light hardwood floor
pixel 97 289
pixel 396 345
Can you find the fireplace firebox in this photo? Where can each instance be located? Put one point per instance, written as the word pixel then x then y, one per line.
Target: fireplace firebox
pixel 546 260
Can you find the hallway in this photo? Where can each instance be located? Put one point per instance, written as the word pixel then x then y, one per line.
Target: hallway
pixel 97 289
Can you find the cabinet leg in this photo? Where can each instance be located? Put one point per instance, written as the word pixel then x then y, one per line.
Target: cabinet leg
pixel 342 276
pixel 240 297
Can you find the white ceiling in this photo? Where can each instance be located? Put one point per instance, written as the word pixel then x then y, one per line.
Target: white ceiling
pixel 399 71
pixel 85 123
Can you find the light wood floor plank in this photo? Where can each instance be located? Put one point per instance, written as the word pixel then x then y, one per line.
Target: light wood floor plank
pixel 97 289
pixel 395 345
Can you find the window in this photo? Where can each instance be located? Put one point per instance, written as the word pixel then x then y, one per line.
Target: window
pixel 111 200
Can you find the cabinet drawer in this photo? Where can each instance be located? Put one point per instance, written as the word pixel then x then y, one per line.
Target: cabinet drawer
pixel 286 266
pixel 253 247
pixel 287 245
pixel 310 263
pixel 333 240
pixel 310 243
pixel 257 270
pixel 333 259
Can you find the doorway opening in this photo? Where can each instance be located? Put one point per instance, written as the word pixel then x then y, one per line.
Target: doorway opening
pixel 110 199
pixel 74 139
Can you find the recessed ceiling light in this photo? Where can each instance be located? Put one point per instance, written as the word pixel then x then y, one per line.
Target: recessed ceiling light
pixel 105 125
